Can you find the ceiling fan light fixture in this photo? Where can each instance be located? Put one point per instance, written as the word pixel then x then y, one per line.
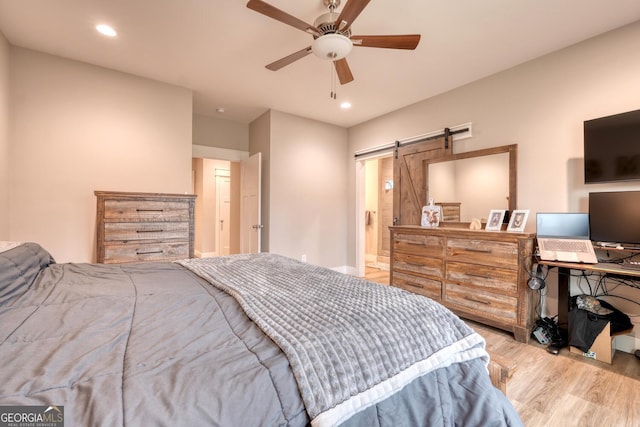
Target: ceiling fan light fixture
pixel 332 47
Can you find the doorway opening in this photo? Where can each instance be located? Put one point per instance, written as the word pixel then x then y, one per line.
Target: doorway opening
pixel 375 197
pixel 227 212
pixel 217 211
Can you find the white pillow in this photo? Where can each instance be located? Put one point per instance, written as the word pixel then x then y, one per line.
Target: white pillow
pixel 5 246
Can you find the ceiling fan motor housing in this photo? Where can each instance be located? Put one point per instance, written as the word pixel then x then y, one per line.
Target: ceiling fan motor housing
pixel 326 24
pixel 330 44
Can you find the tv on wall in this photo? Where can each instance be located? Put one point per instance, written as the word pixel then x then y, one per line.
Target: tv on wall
pixel 612 148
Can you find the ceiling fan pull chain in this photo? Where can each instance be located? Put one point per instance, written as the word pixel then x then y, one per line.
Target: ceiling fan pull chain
pixel 332 95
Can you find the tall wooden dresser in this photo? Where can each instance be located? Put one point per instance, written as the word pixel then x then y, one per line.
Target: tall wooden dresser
pixel 480 275
pixel 134 227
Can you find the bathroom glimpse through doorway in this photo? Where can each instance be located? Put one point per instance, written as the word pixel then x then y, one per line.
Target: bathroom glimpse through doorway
pixel 378 211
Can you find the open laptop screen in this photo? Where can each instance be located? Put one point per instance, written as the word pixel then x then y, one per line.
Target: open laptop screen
pixel 563 225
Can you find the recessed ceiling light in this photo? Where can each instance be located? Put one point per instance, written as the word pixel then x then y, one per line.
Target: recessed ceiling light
pixel 106 30
pixel 345 105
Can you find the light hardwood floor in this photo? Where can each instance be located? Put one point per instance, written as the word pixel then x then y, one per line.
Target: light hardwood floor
pixel 562 390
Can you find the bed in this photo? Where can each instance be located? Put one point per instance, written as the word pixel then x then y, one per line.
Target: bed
pixel 242 340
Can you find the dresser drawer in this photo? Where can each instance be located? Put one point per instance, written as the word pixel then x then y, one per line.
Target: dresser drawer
pixel 132 252
pixel 480 275
pixel 419 285
pixel 418 264
pixel 501 280
pixel 418 244
pixel 480 251
pixel 479 303
pixel 136 231
pixel 145 210
pixel 450 210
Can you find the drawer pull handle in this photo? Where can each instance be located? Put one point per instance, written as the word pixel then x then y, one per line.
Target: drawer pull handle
pixel 149 210
pixel 479 276
pixel 415 264
pixel 484 251
pixel 415 285
pixel 411 242
pixel 150 231
pixel 147 252
pixel 477 300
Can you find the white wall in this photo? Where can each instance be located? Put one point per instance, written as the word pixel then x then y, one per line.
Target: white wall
pixel 308 190
pixel 218 132
pixel 539 105
pixel 4 138
pixel 77 128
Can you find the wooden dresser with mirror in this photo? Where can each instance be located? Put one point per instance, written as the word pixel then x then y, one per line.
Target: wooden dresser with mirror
pixel 480 275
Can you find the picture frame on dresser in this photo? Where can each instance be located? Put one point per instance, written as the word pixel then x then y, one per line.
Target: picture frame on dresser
pixel 494 220
pixel 518 220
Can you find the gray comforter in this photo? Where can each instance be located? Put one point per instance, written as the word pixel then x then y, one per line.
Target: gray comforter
pixel 351 343
pixel 153 344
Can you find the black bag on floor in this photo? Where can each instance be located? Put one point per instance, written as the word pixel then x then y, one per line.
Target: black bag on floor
pixel 588 317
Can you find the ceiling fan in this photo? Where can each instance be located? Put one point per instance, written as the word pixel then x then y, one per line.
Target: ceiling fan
pixel 332 35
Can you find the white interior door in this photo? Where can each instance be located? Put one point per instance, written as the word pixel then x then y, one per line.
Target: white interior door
pixel 250 187
pixel 223 211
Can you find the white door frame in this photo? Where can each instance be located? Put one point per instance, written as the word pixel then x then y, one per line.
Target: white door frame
pixel 360 225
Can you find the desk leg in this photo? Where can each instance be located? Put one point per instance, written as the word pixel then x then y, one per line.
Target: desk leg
pixel 564 275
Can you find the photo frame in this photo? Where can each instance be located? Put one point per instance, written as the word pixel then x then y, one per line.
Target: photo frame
pixel 518 220
pixel 494 220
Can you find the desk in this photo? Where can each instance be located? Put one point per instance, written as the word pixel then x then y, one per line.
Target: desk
pixel 564 272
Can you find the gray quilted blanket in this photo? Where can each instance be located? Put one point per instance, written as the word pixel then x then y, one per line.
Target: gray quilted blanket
pixel 350 343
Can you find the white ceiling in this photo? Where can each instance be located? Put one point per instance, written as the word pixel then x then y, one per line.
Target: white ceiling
pixel 219 48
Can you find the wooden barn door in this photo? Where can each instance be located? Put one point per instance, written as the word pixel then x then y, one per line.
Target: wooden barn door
pixel 410 180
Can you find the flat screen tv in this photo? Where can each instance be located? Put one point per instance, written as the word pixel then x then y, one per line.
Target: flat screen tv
pixel 612 148
pixel 614 218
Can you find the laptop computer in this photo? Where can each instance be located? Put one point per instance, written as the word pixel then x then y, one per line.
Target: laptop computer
pixel 564 237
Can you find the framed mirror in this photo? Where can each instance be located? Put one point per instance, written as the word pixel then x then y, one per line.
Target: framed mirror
pixel 469 185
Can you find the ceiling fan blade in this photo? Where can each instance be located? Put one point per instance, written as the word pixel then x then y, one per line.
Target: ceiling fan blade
pixel 349 13
pixel 276 65
pixel 405 41
pixel 343 70
pixel 282 16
